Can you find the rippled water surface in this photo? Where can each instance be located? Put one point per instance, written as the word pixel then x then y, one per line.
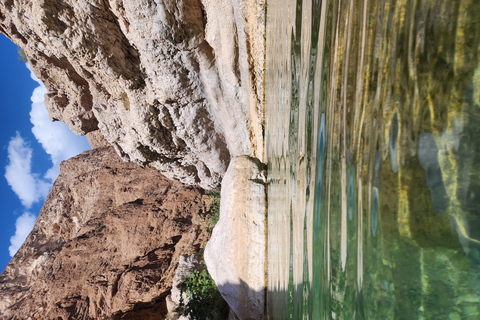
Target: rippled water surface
pixel 373 148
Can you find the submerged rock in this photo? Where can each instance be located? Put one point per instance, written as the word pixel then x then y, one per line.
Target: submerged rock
pixel 167 82
pixel 106 243
pixel 235 254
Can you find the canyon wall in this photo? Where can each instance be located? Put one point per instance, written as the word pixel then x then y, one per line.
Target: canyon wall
pixel 177 84
pixel 106 243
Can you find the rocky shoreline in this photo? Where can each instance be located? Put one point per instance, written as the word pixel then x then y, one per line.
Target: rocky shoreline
pixel 175 89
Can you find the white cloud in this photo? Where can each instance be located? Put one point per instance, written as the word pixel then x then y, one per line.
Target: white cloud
pixel 56 138
pixel 58 142
pixel 29 187
pixel 23 227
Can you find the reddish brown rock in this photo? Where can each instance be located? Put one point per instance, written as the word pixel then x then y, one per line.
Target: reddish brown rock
pixel 105 245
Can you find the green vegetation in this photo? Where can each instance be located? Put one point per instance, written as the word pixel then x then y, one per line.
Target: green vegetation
pixel 204 299
pixel 213 214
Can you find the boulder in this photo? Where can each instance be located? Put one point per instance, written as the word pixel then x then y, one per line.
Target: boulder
pixel 235 253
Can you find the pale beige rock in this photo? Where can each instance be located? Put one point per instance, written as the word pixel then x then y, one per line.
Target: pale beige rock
pixel 96 139
pixel 235 253
pixel 154 76
pixel 186 264
pixel 235 30
pixel 106 243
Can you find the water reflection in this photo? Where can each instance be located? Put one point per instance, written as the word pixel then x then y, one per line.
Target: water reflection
pixel 373 146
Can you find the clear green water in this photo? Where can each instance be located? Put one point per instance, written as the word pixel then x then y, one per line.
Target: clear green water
pixel 373 150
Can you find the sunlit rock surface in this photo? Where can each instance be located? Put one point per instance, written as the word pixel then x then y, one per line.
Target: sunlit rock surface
pixel 167 82
pixel 106 244
pixel 235 254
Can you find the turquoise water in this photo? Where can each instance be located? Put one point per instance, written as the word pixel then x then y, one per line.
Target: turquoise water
pixel 373 150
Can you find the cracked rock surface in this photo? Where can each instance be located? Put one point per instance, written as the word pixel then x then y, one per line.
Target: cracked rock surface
pixel 106 243
pixel 177 84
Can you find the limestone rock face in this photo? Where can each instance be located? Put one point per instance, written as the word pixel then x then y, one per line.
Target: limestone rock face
pixel 174 83
pixel 235 254
pixel 105 245
pixel 96 139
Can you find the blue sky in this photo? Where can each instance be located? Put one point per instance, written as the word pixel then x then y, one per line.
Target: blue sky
pixel 31 149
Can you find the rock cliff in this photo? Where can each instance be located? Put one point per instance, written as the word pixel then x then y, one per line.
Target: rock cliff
pixel 106 243
pixel 174 83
